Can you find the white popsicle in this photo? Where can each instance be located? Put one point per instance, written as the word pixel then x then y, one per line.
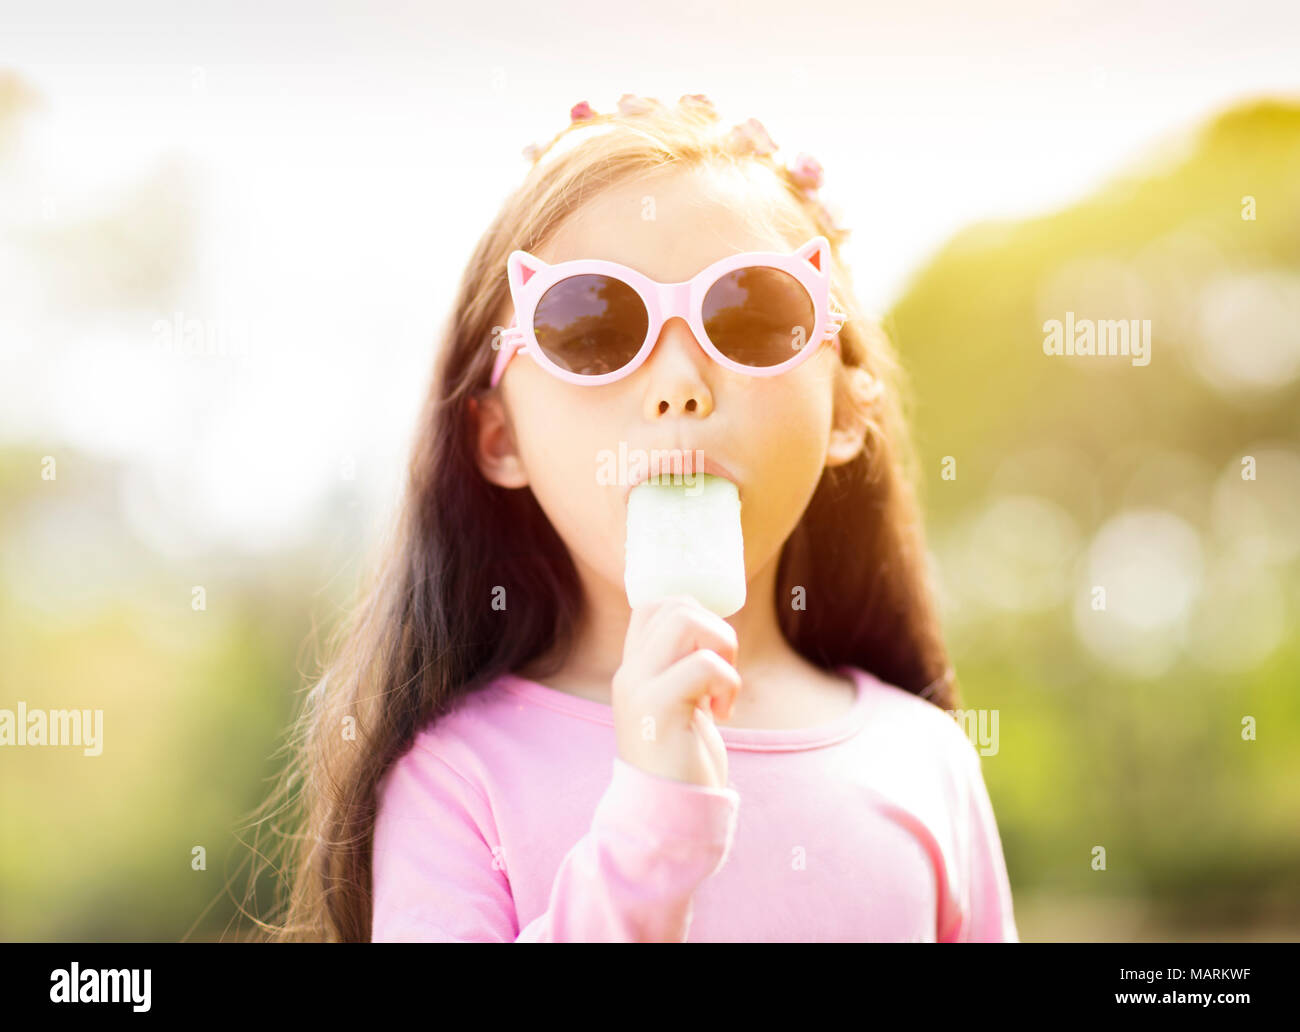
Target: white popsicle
pixel 686 541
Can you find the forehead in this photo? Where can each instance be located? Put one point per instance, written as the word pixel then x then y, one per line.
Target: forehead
pixel 672 224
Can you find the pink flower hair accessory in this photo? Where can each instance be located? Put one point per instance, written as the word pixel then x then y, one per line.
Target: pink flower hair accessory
pixel 805 172
pixel 629 104
pixel 700 104
pixel 751 138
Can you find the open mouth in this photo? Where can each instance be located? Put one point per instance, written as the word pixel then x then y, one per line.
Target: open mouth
pixel 675 466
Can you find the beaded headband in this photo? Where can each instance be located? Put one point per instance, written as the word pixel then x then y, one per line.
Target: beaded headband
pixel 804 173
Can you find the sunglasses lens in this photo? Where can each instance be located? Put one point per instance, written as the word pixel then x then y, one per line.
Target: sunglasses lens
pixel 590 324
pixel 759 316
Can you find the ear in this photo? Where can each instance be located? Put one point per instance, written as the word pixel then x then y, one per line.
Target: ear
pixel 853 420
pixel 816 252
pixel 520 267
pixel 493 438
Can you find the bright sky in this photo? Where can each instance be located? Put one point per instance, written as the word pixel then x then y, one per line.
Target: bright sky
pixel 346 157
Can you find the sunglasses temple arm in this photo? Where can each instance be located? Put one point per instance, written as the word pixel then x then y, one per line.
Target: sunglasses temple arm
pixel 507 343
pixel 837 321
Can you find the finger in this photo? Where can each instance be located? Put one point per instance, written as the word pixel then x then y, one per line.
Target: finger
pixel 685 625
pixel 701 680
pixel 648 616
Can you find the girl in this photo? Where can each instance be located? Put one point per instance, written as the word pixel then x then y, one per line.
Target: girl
pixel 503 750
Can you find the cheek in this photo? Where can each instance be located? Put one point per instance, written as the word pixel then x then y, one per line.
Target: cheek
pixel 560 442
pixel 788 429
pixel 787 435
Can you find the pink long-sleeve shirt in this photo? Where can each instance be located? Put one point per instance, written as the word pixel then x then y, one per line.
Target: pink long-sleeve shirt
pixel 514 819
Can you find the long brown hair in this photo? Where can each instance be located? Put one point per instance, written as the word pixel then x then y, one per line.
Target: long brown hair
pixel 423 633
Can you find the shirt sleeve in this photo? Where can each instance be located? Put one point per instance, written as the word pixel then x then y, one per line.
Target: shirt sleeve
pixel 984 890
pixel 440 875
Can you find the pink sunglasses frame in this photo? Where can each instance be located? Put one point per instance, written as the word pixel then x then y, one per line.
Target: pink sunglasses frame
pixel 530 278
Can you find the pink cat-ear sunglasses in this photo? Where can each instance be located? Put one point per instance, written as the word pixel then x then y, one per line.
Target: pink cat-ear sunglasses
pixel 592 322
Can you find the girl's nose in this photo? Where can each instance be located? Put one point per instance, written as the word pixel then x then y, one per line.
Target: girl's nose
pixel 677 382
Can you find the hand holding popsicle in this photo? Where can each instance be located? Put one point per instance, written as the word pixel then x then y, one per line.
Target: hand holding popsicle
pixel 678 668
